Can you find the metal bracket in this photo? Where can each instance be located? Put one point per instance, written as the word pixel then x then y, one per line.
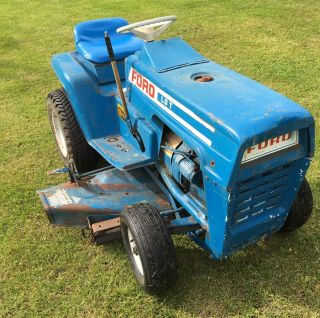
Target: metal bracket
pixel 105 231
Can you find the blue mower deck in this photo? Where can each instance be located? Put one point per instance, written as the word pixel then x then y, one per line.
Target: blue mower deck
pixel 100 198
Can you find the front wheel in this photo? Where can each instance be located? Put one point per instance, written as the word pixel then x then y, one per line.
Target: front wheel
pixel 149 247
pixel 301 209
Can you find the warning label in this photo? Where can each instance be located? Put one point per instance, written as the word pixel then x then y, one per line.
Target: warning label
pixel 59 198
pixel 121 112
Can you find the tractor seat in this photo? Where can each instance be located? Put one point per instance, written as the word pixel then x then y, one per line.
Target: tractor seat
pixel 89 38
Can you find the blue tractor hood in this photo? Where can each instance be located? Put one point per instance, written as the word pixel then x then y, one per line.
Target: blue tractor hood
pixel 232 103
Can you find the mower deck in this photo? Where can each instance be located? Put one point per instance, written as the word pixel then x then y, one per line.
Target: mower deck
pixel 101 197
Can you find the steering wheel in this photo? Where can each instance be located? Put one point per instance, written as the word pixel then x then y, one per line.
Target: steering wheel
pixel 146 29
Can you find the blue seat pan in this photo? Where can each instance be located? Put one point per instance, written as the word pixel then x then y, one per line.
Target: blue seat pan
pixel 89 38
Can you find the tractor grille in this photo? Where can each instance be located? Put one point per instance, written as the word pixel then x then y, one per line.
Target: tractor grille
pixel 261 193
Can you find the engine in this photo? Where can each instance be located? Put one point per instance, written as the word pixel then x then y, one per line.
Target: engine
pixel 181 161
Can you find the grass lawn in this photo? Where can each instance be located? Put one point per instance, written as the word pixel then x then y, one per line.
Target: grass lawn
pixel 54 272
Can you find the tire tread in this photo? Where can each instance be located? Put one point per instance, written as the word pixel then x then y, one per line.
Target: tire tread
pixel 301 209
pixel 79 151
pixel 156 243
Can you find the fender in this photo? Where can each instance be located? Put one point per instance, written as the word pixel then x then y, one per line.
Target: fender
pixel 95 107
pixel 91 106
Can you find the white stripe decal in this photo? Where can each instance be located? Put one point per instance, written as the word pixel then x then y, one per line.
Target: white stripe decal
pixel 184 123
pixel 187 110
pixel 151 91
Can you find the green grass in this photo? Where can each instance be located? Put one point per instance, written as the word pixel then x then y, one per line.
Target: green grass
pixel 54 272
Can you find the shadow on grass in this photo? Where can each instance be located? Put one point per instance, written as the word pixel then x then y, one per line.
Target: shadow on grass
pixel 282 268
pixel 285 268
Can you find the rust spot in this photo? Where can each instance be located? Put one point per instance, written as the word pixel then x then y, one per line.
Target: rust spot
pixel 78 208
pixel 105 225
pixel 112 139
pixel 203 78
pixel 116 186
pixel 138 173
pixel 161 201
pixel 192 220
pixel 69 185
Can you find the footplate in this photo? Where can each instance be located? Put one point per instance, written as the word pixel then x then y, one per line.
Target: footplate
pixel 120 153
pixel 100 198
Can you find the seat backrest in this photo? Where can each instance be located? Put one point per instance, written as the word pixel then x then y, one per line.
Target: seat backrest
pixel 90 43
pixel 94 29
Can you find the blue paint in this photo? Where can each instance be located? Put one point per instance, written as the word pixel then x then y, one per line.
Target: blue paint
pixel 90 42
pixel 102 73
pixel 100 198
pixel 178 53
pixel 232 113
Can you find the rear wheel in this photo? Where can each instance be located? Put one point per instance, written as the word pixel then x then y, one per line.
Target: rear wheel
pixel 73 147
pixel 149 247
pixel 301 209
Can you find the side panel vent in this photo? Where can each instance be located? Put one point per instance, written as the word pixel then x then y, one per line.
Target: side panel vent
pixel 261 193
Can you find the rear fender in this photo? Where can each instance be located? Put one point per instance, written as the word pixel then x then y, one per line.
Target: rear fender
pixel 91 103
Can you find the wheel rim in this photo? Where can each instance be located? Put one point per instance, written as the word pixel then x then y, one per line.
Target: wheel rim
pixel 135 252
pixel 58 132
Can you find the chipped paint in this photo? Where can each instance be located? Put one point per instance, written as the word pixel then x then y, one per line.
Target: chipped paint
pixel 102 197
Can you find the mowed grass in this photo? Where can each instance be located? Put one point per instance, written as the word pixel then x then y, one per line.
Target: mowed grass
pixel 54 272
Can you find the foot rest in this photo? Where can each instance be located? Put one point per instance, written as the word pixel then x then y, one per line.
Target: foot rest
pixel 120 153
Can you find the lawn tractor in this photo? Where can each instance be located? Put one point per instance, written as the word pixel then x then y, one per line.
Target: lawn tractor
pixel 159 140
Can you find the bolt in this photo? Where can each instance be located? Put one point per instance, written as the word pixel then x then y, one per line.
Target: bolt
pixel 135 250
